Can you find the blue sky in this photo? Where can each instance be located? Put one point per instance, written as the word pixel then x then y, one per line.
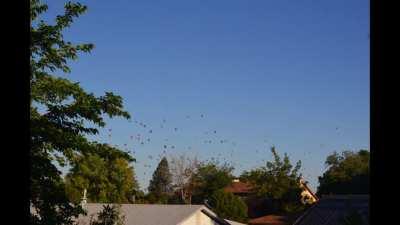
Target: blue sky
pixel 294 74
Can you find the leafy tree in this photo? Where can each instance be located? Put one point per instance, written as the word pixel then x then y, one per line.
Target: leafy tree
pixel 89 170
pixel 110 215
pixel 161 183
pixel 347 173
pixel 210 177
pixel 61 113
pixel 139 197
pixel 107 179
pixel 160 198
pixel 228 206
pixel 279 181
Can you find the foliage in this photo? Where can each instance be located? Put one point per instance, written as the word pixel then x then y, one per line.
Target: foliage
pixel 160 198
pixel 107 179
pixel 177 199
pixel 110 215
pixel 210 177
pixel 161 182
pixel 139 197
pixel 347 173
pixel 228 206
pixel 278 180
pixel 60 111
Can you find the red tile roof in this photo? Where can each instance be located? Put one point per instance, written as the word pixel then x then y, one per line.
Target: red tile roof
pixel 269 220
pixel 238 187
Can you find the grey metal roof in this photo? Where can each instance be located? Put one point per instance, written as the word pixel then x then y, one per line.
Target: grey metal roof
pixel 330 210
pixel 146 214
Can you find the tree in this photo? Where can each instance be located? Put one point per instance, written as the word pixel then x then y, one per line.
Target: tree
pixel 228 206
pixel 183 169
pixel 61 113
pixel 107 180
pixel 278 181
pixel 347 173
pixel 110 215
pixel 161 183
pixel 210 177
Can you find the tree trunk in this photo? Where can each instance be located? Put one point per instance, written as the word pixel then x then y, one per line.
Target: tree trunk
pixel 182 195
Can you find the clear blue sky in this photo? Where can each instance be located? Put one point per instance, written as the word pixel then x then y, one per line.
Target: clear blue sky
pixel 294 74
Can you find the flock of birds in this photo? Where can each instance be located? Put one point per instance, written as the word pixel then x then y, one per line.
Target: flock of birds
pixel 165 146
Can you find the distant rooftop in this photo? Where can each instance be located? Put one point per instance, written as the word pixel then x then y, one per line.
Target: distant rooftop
pixel 238 187
pixel 269 220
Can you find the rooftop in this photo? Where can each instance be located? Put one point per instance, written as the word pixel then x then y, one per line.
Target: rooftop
pixel 331 210
pixel 146 214
pixel 238 187
pixel 269 220
pixel 154 214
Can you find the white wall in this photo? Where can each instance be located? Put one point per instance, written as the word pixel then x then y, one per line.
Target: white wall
pixel 198 218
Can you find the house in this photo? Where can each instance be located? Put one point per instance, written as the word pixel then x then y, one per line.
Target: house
pixel 336 209
pixel 259 208
pixel 239 188
pixel 307 196
pixel 244 190
pixel 153 214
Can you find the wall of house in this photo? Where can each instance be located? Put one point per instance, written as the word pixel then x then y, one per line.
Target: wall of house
pixel 198 218
pixel 307 195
